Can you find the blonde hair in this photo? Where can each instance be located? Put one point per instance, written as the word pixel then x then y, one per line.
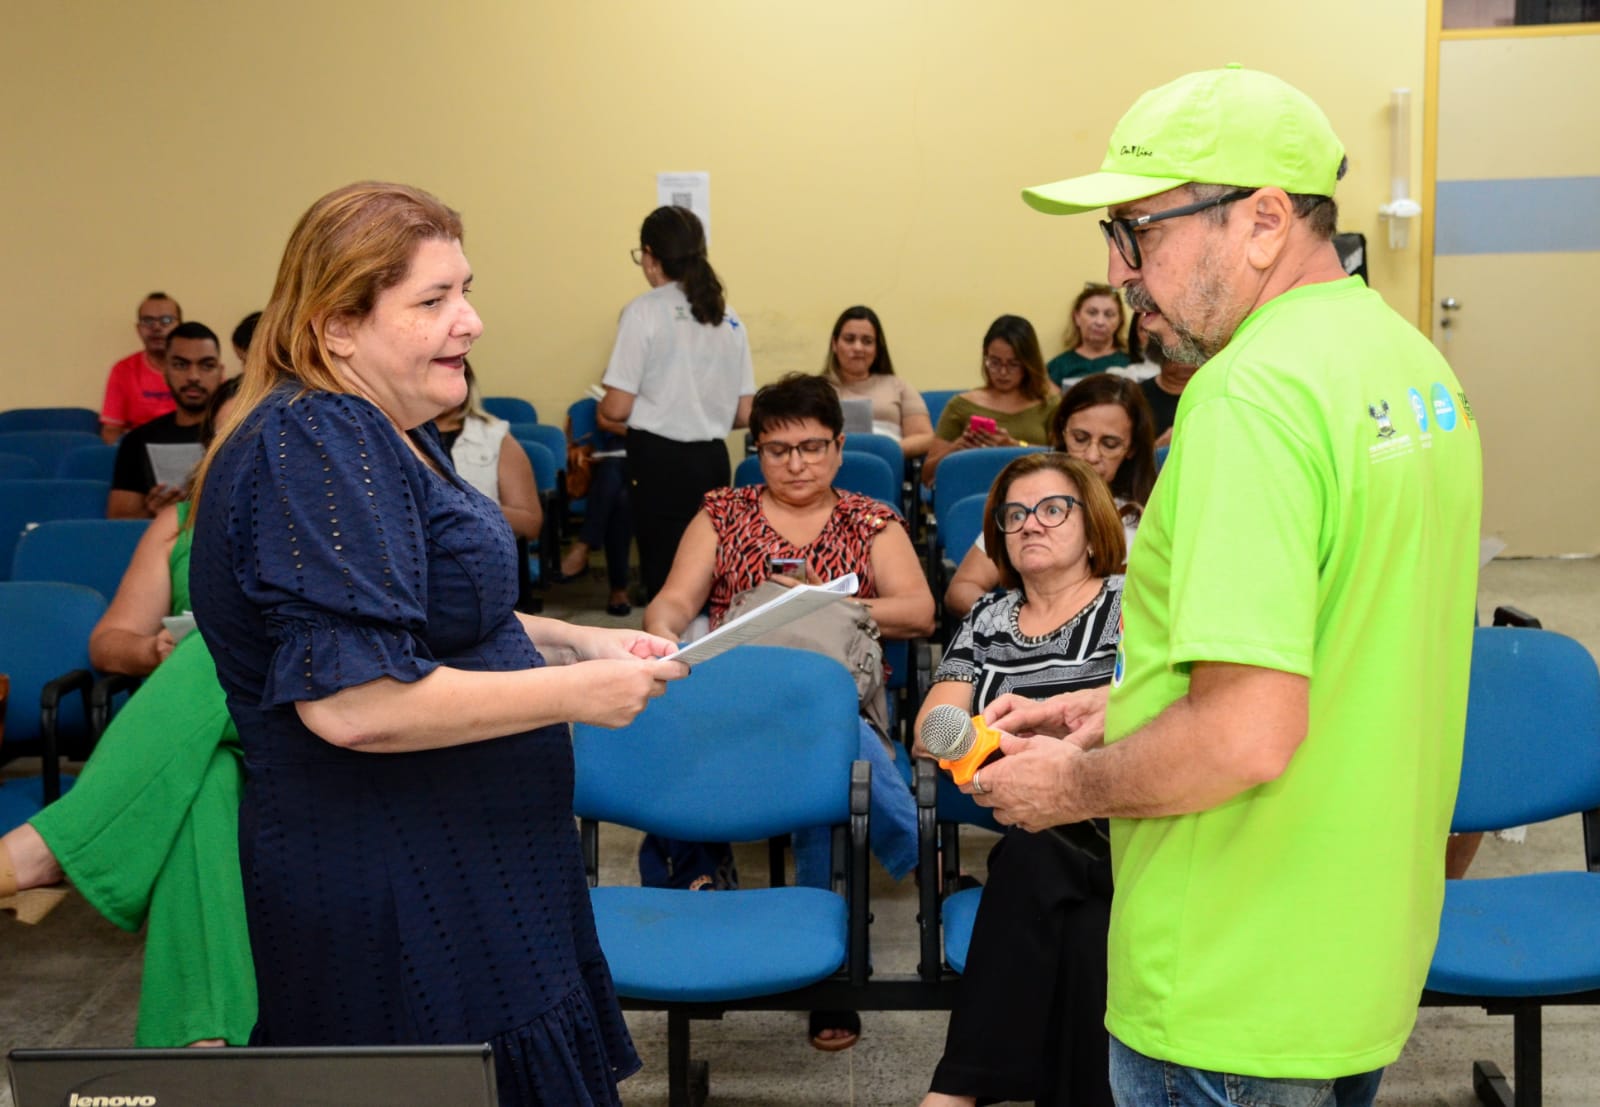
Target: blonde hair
pixel 349 246
pixel 1072 339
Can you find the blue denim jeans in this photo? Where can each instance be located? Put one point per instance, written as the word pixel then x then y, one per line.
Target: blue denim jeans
pixel 893 822
pixel 1140 1081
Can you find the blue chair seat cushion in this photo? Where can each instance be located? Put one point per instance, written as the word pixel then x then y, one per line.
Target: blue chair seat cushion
pixel 959 913
pixel 671 945
pixel 1523 935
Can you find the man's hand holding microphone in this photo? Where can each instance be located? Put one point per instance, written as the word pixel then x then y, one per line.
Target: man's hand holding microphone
pixel 1020 756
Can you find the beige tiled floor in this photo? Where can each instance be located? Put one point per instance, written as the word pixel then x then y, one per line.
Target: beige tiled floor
pixel 74 981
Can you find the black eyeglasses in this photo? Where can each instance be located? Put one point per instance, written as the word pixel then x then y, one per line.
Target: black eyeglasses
pixel 637 254
pixel 1120 232
pixel 811 449
pixel 1051 512
pixel 157 320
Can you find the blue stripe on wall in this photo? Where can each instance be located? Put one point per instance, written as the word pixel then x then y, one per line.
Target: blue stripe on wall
pixel 1533 215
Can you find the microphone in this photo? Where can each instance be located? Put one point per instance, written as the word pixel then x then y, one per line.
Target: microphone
pixel 961 743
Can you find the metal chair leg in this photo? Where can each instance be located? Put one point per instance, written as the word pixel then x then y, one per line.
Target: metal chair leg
pixel 688 1082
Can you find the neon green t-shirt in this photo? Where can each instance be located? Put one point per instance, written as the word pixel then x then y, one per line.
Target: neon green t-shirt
pixel 1318 515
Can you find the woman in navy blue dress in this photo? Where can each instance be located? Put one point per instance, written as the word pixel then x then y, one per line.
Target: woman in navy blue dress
pixel 412 872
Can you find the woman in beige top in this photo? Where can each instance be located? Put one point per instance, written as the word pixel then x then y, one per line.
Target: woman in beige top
pixel 859 368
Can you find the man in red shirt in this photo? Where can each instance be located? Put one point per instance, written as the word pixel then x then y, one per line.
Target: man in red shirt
pixel 136 389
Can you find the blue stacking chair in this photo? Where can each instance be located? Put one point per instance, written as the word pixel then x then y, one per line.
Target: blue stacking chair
pixel 513 409
pixel 541 563
pixel 882 446
pixel 50 418
pixel 551 438
pixel 863 474
pixel 1515 944
pixel 936 399
pixel 19 467
pixel 711 762
pixel 967 473
pixel 959 527
pixel 946 923
pixel 581 417
pixel 91 552
pixel 47 447
pixel 25 502
pixel 44 649
pixel 97 462
pixel 944 920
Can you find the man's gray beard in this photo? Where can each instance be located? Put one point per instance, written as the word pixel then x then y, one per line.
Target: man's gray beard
pixel 1186 348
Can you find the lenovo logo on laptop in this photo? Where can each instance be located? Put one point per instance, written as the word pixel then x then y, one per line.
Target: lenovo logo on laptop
pixel 76 1100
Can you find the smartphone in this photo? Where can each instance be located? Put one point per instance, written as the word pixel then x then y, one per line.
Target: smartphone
pixel 982 424
pixel 788 566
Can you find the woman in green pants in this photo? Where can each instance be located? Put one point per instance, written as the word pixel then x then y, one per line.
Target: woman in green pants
pixel 150 832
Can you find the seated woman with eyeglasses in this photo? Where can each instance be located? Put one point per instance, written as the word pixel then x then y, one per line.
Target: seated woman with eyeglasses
pixel 1105 422
pixel 796 527
pixel 1028 1021
pixel 1013 407
pixel 1094 339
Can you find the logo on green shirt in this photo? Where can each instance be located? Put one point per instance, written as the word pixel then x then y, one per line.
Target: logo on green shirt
pixel 1381 414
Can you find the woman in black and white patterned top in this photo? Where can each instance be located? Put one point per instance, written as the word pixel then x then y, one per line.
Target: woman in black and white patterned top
pixel 1029 1022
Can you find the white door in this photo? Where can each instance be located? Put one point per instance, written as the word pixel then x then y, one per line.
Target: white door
pixel 1516 282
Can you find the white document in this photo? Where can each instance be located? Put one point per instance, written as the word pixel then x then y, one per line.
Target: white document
pixel 178 625
pixel 687 190
pixel 796 603
pixel 172 462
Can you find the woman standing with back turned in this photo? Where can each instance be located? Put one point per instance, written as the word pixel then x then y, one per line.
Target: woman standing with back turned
pixel 680 378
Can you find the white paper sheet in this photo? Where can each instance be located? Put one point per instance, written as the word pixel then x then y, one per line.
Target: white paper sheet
pixel 796 603
pixel 687 190
pixel 172 462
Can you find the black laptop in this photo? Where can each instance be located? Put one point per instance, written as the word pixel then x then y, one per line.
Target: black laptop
pixel 334 1076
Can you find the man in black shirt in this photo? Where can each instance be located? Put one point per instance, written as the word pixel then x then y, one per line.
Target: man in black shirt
pixel 1163 390
pixel 193 371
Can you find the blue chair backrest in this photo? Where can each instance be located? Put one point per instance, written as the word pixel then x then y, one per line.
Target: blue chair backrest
pixel 961 524
pixel 50 418
pixel 586 429
pixel 44 633
pixel 748 471
pixel 936 399
pixel 752 744
pixel 98 462
pixel 863 474
pixel 551 438
pixel 1533 730
pixel 585 425
pixel 513 409
pixel 47 447
pixel 19 467
pixel 543 462
pixel 879 445
pixel 92 552
pixel 970 472
pixel 1161 456
pixel 36 501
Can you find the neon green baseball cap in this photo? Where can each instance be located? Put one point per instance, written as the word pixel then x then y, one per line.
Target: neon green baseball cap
pixel 1230 126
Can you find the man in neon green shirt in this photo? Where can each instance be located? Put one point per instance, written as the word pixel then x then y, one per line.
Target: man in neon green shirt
pixel 1283 736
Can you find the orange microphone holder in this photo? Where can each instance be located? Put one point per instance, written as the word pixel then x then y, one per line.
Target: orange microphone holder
pixel 985 748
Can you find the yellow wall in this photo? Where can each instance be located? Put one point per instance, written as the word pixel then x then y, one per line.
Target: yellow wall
pixel 859 152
